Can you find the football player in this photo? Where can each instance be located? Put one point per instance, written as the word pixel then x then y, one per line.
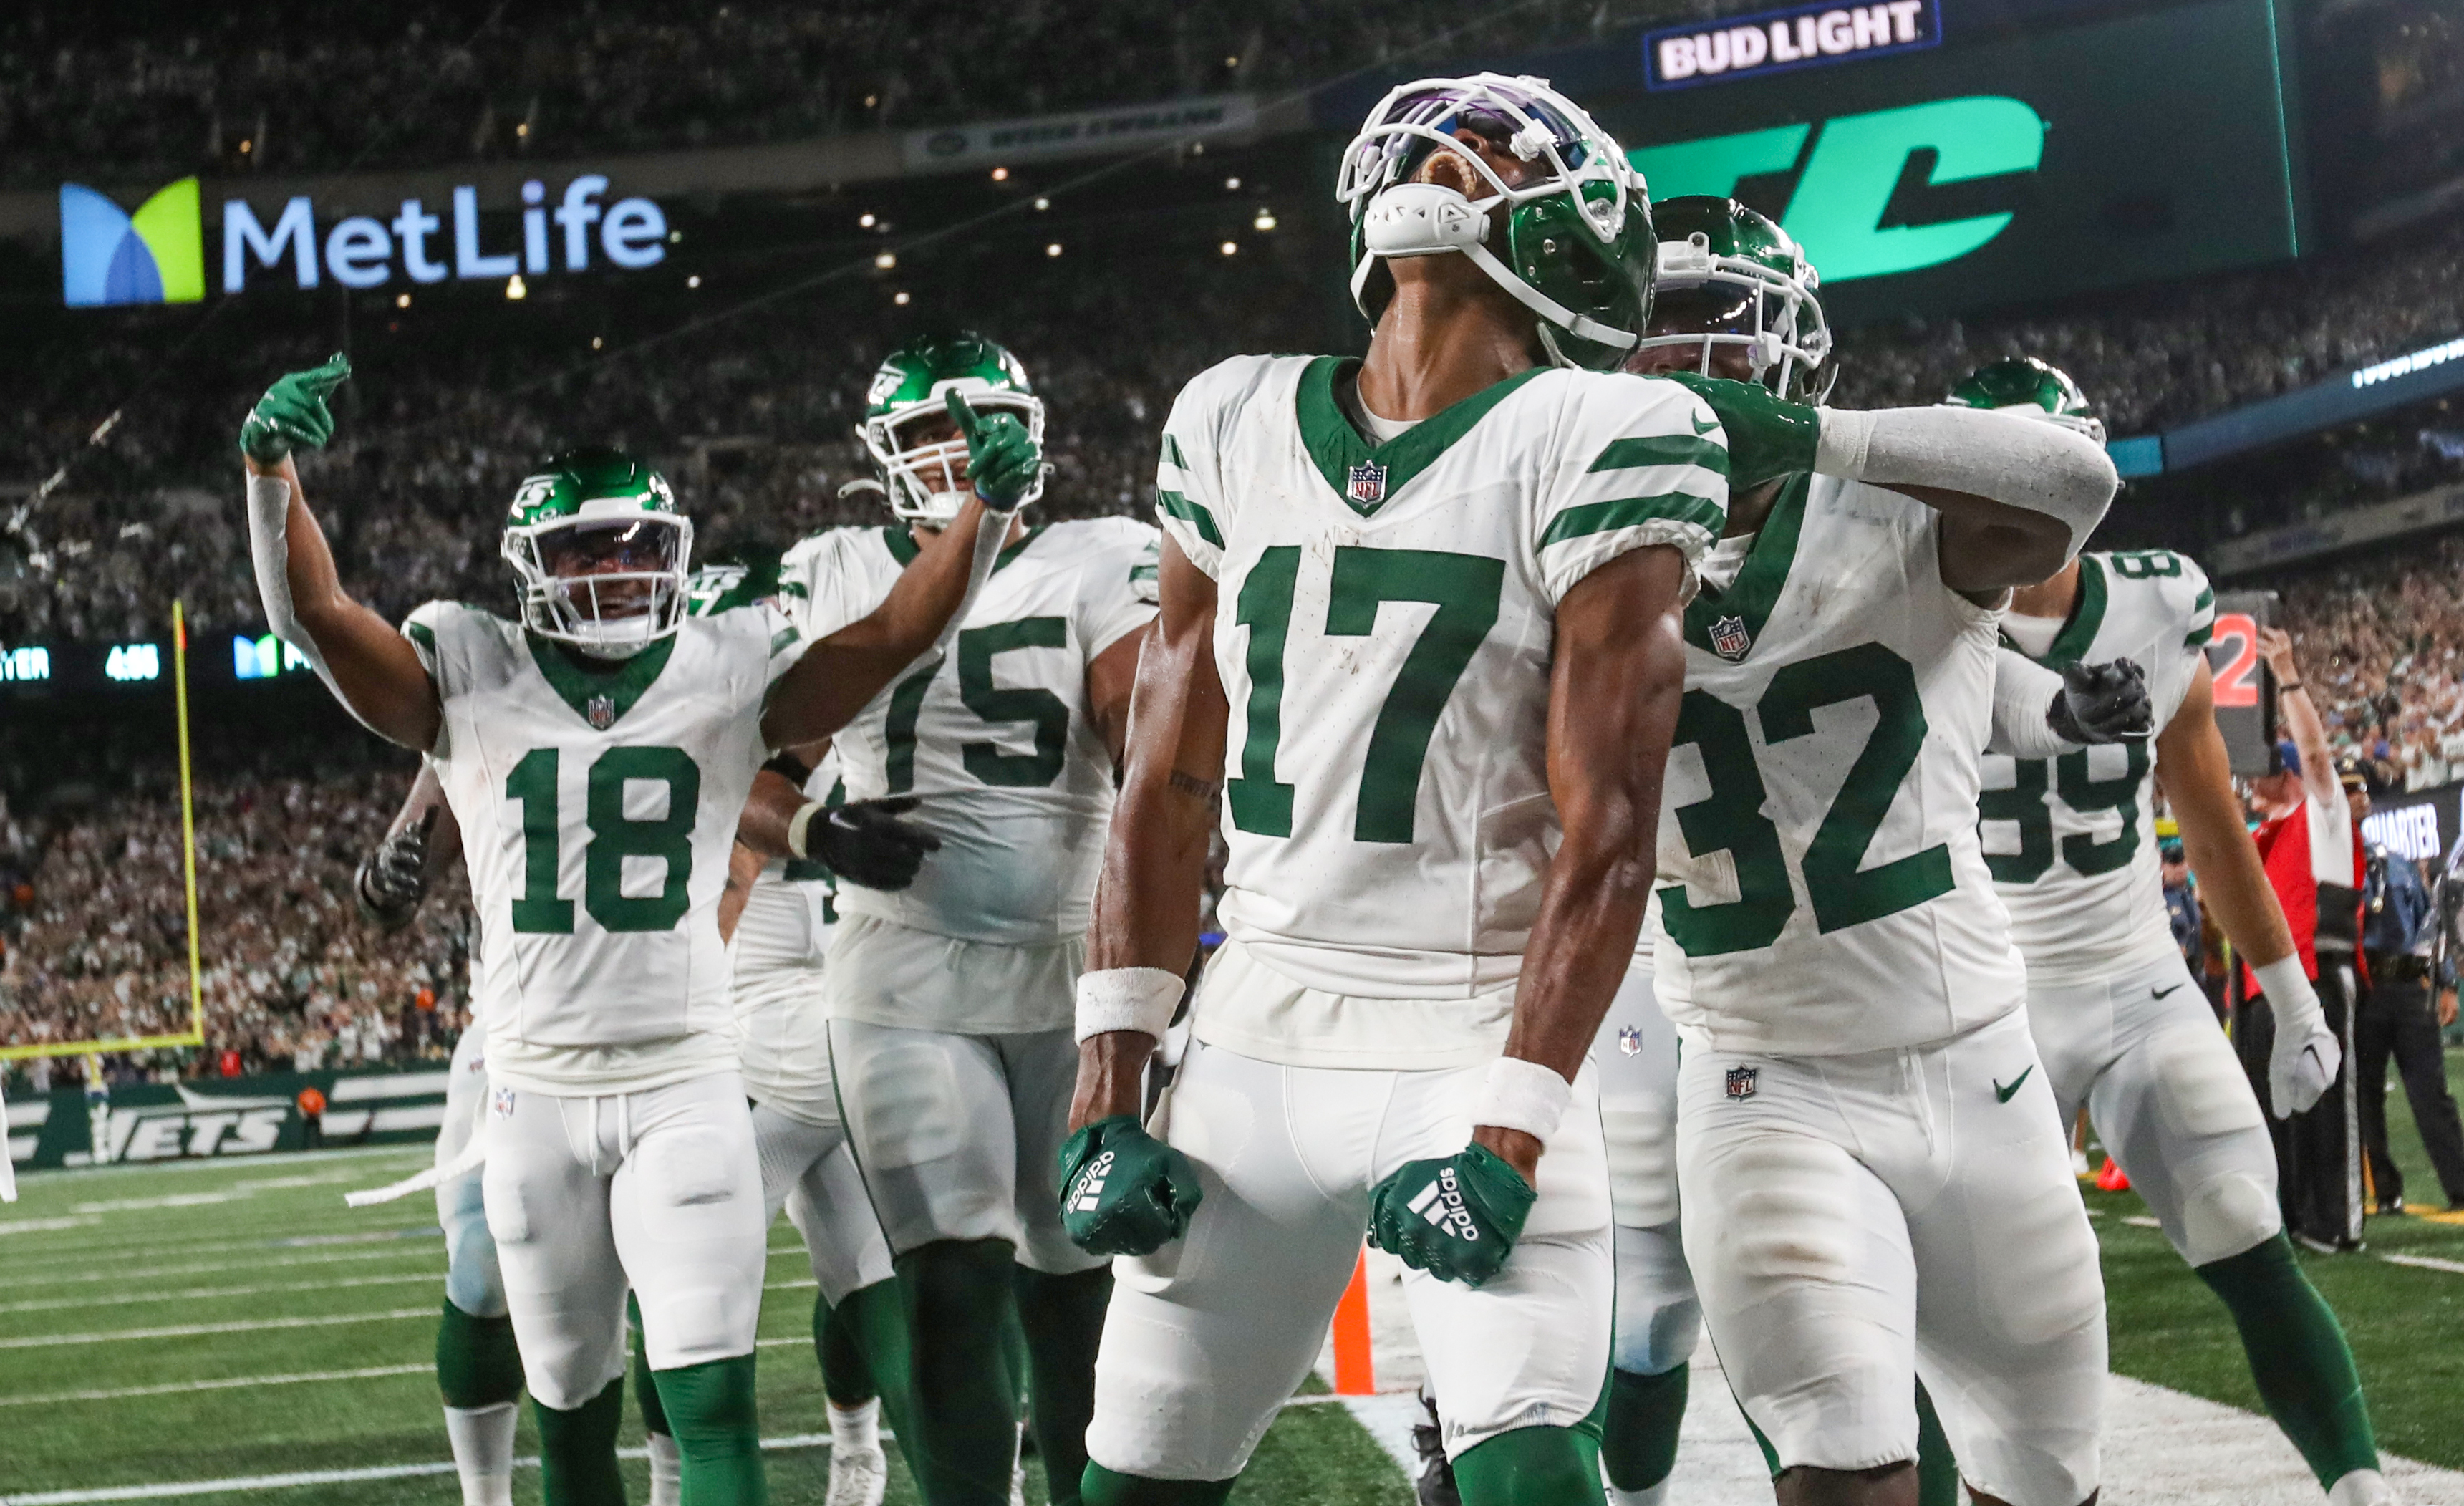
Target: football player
pixel 950 999
pixel 2120 1024
pixel 1874 1187
pixel 478 1366
pixel 1419 631
pixel 597 753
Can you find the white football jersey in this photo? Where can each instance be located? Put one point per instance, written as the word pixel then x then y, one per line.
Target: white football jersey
pixel 782 937
pixel 1823 891
pixel 996 738
pixel 1384 625
pixel 2072 841
pixel 597 811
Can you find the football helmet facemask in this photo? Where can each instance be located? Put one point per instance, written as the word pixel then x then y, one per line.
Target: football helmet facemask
pixel 1576 237
pixel 2031 389
pixel 1734 277
pixel 910 434
pixel 600 553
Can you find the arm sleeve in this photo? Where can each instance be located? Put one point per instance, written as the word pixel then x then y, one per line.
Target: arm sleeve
pixel 1645 462
pixel 2019 462
pixel 1190 504
pixel 1120 594
pixel 2023 690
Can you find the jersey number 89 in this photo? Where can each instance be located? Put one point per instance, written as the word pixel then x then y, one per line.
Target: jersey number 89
pixel 615 837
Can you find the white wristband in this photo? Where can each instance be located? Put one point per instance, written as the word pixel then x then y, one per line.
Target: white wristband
pixel 1524 1095
pixel 800 825
pixel 2290 996
pixel 1140 999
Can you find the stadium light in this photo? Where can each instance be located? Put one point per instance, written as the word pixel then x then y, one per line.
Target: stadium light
pixel 1053 249
pixel 1230 247
pixel 1265 220
pixel 513 288
pixel 900 301
pixel 694 281
pixel 1001 175
pixel 885 261
pixel 1231 185
pixel 1043 203
pixel 401 300
pixel 865 220
pixel 594 341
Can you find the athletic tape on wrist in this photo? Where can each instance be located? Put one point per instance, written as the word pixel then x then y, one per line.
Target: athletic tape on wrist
pixel 2017 461
pixel 800 827
pixel 1140 999
pixel 2290 995
pixel 1520 1095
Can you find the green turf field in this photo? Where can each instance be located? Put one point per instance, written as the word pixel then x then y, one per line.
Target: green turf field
pixel 126 1295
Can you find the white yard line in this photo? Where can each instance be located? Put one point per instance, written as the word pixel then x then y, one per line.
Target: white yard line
pixel 2426 1263
pixel 192 1330
pixel 200 1292
pixel 211 1267
pixel 228 1383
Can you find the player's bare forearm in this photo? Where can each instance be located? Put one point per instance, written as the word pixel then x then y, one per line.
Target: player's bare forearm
pixel 1619 679
pixel 2195 773
pixel 1154 858
pixel 374 667
pixel 2300 715
pixel 840 673
pixel 1112 678
pixel 773 803
pixel 743 867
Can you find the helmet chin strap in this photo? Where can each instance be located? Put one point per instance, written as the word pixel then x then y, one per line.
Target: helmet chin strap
pixel 1426 219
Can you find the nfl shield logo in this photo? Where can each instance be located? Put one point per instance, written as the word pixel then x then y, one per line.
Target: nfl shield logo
pixel 602 712
pixel 1630 1041
pixel 1741 1081
pixel 1365 485
pixel 505 1103
pixel 1729 637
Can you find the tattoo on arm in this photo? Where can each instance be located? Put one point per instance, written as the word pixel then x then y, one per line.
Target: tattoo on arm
pixel 1195 787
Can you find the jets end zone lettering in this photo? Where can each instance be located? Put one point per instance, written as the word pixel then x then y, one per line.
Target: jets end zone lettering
pixel 224 1117
pixel 156 254
pixel 1682 57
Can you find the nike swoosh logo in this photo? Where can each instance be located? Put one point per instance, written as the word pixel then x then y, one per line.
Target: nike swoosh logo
pixel 2001 1094
pixel 1702 428
pixel 2162 992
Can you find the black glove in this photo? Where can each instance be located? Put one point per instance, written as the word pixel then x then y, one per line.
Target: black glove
pixel 866 844
pixel 394 880
pixel 2102 704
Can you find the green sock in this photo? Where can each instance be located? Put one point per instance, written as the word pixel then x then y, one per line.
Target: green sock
pixel 478 1363
pixel 718 1431
pixel 2298 1358
pixel 873 1320
pixel 964 1438
pixel 1639 1439
pixel 577 1450
pixel 646 1389
pixel 1102 1487
pixel 846 1374
pixel 1937 1471
pixel 1531 1467
pixel 1063 1320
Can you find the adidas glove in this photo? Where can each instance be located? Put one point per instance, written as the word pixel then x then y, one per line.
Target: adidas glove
pixel 2102 704
pixel 1456 1219
pixel 394 879
pixel 1768 437
pixel 1003 461
pixel 864 843
pixel 1123 1192
pixel 292 412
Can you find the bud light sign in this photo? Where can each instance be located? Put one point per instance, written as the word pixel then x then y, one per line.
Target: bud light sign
pixel 1781 41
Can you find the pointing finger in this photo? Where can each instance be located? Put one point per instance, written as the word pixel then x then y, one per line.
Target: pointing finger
pixel 969 423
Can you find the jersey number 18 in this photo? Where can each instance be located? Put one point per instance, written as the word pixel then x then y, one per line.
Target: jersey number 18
pixel 615 837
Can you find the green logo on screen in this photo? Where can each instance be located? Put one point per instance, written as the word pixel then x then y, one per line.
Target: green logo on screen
pixel 1848 178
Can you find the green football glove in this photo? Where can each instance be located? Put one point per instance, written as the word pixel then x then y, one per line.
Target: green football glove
pixel 1456 1219
pixel 1003 461
pixel 1768 437
pixel 1123 1192
pixel 292 412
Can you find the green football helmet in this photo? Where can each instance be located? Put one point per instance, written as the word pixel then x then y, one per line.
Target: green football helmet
pixel 1577 233
pixel 723 584
pixel 919 475
pixel 601 552
pixel 1734 277
pixel 2031 388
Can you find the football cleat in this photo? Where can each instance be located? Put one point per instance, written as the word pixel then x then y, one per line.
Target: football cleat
pixel 909 433
pixel 601 552
pixel 2031 389
pixel 1728 276
pixel 1571 239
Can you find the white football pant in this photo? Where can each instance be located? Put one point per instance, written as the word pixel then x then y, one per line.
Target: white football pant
pixel 1207 1338
pixel 2141 1049
pixel 806 1169
pixel 659 1190
pixel 1857 1223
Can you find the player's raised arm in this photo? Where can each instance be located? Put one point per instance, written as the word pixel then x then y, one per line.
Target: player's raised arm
pixel 1145 929
pixel 369 667
pixel 837 675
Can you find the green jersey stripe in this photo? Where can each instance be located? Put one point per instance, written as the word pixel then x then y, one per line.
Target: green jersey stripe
pixel 1196 514
pixel 1626 454
pixel 1627 512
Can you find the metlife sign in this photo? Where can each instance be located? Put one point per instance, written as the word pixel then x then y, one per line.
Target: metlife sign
pixel 154 254
pixel 1782 41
